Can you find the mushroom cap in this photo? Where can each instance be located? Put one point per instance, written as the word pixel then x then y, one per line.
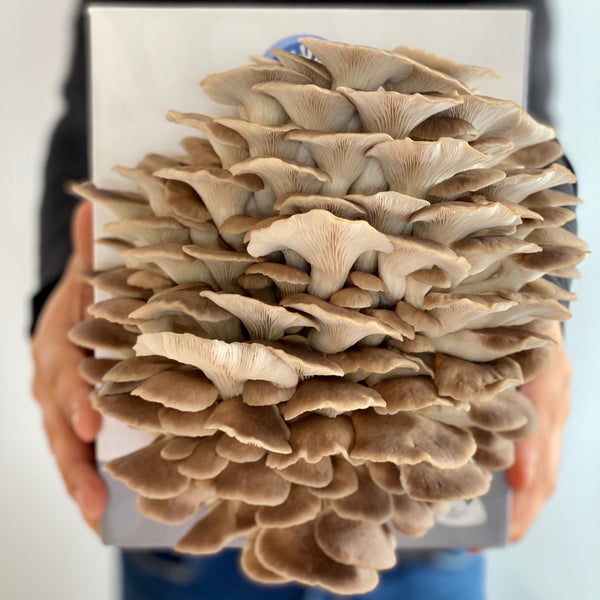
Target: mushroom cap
pixel 314 436
pixel 203 462
pixel 253 567
pixel 425 482
pixel 176 510
pixel 412 518
pixel 330 244
pixel 188 391
pixel 235 451
pixel 368 503
pixel 315 474
pixel 215 358
pixel 406 394
pixel 294 553
pixel 330 394
pixel 147 473
pixel 467 381
pixel 93 369
pixel 351 542
pixel 212 533
pixel 340 328
pixel 408 438
pixel 253 483
pixel 300 506
pixel 260 426
pixel 343 483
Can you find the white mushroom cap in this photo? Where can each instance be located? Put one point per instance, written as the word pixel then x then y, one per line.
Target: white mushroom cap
pixel 217 360
pixel 262 320
pixel 468 74
pixel 314 70
pixel 223 194
pixel 394 113
pixel 413 168
pixel 331 245
pixel 389 212
pixel 120 205
pixel 340 155
pixel 236 87
pixel 229 146
pixel 313 107
pixel 358 67
pixel 340 328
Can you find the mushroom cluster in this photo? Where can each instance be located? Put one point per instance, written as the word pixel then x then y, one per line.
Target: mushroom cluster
pixel 326 306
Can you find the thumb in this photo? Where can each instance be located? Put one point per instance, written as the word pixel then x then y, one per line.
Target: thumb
pixel 82 235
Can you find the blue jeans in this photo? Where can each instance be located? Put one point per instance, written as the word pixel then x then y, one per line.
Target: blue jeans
pixel 455 575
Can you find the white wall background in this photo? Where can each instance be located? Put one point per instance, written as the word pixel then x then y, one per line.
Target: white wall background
pixel 46 551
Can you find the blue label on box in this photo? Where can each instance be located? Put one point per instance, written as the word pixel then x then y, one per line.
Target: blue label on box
pixel 292 44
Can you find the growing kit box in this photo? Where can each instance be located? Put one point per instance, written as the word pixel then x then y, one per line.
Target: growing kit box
pixel 146 61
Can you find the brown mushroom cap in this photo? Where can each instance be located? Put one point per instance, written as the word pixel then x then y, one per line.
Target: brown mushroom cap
pixel 147 473
pixel 253 483
pixel 312 474
pixel 343 483
pixel 261 426
pixel 188 391
pixel 406 394
pixel 369 502
pixel 466 381
pixel 93 369
pixel 293 552
pixel 203 462
pixel 334 395
pixel 299 507
pixel 132 411
pixel 406 438
pixel 411 518
pixel 494 451
pixel 176 510
pixel 352 542
pixel 426 482
pixel 212 533
pixel 387 476
pixel 100 334
pixel 254 568
pixel 235 451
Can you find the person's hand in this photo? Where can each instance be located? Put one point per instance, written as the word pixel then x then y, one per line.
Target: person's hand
pixel 534 474
pixel 70 422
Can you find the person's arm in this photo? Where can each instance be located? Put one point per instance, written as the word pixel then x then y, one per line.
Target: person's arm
pixel 533 476
pixel 70 422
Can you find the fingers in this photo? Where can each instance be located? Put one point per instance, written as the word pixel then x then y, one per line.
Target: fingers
pixel 70 421
pixel 82 234
pixel 534 474
pixel 75 460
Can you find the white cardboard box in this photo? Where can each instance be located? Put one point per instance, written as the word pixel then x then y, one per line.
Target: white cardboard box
pixel 145 61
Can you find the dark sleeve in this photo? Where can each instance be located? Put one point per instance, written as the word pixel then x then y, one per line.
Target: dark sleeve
pixel 66 160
